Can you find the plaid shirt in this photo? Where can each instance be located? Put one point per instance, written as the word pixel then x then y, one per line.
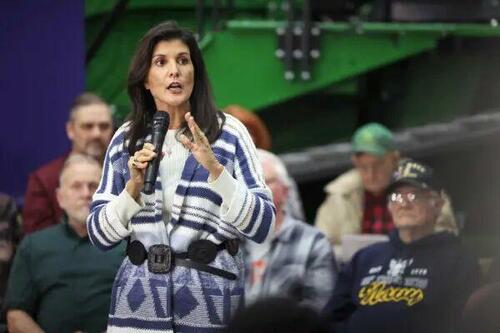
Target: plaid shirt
pixel 298 263
pixel 376 216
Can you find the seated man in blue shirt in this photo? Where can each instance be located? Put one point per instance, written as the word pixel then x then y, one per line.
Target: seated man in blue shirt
pixel 59 282
pixel 417 282
pixel 296 260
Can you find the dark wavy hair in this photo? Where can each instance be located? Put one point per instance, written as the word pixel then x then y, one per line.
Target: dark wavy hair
pixel 201 100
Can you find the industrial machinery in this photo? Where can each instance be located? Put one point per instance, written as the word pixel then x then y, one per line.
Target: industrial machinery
pixel 315 70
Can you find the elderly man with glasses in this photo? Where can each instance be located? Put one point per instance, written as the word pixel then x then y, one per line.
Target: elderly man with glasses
pixel 420 280
pixel 356 202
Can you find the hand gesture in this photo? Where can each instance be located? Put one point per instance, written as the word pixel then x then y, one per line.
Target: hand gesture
pixel 200 148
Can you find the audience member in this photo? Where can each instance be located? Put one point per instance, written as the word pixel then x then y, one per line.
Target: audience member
pixel 297 260
pixel 356 201
pixel 59 282
pixel 256 127
pixel 89 128
pixel 276 315
pixel 420 280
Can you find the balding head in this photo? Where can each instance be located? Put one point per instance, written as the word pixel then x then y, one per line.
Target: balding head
pixel 78 181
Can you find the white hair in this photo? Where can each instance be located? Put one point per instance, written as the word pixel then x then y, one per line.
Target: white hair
pixel 277 163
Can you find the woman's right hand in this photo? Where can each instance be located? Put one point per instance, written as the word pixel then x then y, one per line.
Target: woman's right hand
pixel 137 165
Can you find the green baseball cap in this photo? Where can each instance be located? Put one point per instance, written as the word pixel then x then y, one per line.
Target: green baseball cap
pixel 372 138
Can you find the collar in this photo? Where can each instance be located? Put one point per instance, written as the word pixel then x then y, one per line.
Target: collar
pixel 68 229
pixel 348 183
pixel 380 198
pixel 443 238
pixel 285 233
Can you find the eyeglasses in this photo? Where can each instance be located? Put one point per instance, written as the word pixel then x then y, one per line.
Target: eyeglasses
pixel 409 197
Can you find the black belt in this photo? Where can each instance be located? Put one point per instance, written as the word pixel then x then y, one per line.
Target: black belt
pixel 161 258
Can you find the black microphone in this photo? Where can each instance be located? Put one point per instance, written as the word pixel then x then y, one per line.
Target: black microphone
pixel 161 120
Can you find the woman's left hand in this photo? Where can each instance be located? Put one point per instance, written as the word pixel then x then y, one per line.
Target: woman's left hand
pixel 200 147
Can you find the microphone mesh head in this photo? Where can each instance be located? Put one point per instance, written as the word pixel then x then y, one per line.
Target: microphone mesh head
pixel 161 119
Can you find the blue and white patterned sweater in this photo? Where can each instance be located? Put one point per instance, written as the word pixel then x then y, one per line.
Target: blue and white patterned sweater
pixel 185 300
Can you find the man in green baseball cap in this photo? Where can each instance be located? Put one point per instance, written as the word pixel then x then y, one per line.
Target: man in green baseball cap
pixel 373 138
pixel 375 158
pixel 356 201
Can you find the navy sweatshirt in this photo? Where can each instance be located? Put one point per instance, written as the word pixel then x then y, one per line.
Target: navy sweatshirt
pixel 396 287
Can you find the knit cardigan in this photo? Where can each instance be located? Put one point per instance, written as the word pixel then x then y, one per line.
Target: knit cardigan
pixel 183 300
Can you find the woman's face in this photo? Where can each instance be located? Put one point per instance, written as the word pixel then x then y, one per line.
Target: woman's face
pixel 171 75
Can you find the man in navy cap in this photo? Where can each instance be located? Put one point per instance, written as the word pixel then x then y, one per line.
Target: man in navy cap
pixel 356 201
pixel 420 280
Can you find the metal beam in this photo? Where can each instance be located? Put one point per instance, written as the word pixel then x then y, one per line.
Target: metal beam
pixel 440 29
pixel 327 161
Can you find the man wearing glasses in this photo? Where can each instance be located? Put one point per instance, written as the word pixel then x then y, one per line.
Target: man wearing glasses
pixel 420 280
pixel 356 202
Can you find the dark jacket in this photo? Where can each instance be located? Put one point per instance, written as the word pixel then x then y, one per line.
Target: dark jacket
pixel 397 287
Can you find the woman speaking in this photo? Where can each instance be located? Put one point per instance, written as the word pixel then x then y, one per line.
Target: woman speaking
pixel 183 270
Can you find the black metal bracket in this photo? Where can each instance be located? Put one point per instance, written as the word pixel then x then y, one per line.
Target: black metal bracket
pixel 298 42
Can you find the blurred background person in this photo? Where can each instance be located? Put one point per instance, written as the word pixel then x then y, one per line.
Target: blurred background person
pixel 296 261
pixel 89 129
pixel 59 282
pixel 481 310
pixel 417 282
pixel 256 127
pixel 276 315
pixel 356 201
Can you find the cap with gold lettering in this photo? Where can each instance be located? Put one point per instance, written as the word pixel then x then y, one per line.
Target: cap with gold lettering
pixel 414 173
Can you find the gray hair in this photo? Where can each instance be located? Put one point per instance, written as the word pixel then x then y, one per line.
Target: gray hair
pixel 277 163
pixel 76 158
